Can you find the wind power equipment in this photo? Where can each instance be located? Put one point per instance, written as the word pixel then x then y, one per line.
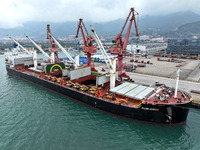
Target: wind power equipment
pixel 41 50
pixel 53 49
pixel 88 43
pixel 34 54
pixel 120 47
pixel 111 65
pixel 76 61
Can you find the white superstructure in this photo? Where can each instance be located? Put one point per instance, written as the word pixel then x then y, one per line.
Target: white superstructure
pixel 17 56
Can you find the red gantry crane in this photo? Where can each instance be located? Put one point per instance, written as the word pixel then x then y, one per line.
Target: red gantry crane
pixel 88 43
pixel 121 45
pixel 53 49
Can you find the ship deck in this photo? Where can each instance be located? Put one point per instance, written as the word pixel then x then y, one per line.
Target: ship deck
pixel 103 91
pixel 148 95
pixel 171 100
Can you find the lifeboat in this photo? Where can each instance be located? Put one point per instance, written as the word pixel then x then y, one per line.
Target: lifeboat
pixel 58 80
pixel 76 85
pixel 63 81
pixel 92 90
pixel 120 100
pixel 42 76
pixel 53 79
pixel 83 88
pixel 99 92
pixel 22 70
pixel 69 83
pixel 109 95
pixel 49 77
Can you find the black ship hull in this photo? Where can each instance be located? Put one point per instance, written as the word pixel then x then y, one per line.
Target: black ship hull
pixel 165 114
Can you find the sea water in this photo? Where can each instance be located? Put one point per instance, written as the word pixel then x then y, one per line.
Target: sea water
pixel 33 118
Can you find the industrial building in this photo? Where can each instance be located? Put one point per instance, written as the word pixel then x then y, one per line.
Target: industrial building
pixel 146 48
pixel 190 47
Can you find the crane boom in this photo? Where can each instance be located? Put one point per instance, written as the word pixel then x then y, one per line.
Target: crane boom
pixel 63 49
pixel 121 45
pixel 87 40
pixel 111 65
pixel 38 47
pixel 88 43
pixel 53 49
pixel 129 28
pixel 34 54
pixel 83 35
pixel 103 52
pixel 20 45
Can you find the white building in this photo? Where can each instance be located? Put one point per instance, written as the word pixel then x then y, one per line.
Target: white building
pixel 137 49
pixel 148 48
pixel 158 39
pixel 144 37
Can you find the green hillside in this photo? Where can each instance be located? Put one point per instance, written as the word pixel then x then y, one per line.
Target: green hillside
pixel 188 30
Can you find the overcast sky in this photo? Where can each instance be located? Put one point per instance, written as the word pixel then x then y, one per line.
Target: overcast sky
pixel 13 13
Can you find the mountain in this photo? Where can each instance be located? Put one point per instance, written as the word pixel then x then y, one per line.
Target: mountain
pixel 169 22
pixel 186 31
pixel 147 25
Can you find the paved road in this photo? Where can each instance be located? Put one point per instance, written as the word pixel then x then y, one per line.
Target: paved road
pixel 195 74
pixel 150 80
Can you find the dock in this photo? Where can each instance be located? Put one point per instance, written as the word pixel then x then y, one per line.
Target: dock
pixel 195 104
pixel 196 98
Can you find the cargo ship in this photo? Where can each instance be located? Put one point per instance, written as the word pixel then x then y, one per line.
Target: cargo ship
pixel 104 91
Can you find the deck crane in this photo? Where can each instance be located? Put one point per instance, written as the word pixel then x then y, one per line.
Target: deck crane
pixel 34 54
pixel 120 48
pixel 88 43
pixel 76 61
pixel 53 49
pixel 51 60
pixel 111 65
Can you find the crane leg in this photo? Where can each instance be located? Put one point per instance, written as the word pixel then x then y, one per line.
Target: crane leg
pixel 88 59
pixel 121 71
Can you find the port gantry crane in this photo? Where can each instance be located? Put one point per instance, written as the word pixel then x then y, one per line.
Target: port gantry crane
pixel 53 49
pixel 120 47
pixel 88 43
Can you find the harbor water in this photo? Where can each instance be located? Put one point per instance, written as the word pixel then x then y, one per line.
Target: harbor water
pixel 33 118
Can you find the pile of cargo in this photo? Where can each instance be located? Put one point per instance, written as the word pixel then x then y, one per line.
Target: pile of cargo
pixel 178 56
